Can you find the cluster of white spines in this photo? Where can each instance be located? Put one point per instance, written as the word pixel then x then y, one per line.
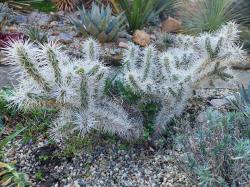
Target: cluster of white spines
pixel 170 77
pixel 75 86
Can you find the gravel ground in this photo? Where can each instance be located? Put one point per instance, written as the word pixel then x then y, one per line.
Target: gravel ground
pixel 108 163
pixel 103 166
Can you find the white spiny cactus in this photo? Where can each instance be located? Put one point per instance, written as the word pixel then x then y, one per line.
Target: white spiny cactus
pixel 169 78
pixel 76 86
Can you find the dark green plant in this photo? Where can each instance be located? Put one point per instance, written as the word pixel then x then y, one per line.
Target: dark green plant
pixel 139 12
pixel 7 140
pixel 44 6
pixel 99 23
pixel 10 177
pixel 216 153
pixel 206 15
pixel 74 145
pixel 8 173
pixel 35 35
pixel 242 7
pixel 39 175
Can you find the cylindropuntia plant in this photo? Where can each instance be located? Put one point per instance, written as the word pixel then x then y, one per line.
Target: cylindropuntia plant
pixel 99 23
pixel 76 86
pixel 169 78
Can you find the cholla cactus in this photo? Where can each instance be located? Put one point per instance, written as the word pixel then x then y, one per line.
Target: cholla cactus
pixel 169 78
pixel 48 76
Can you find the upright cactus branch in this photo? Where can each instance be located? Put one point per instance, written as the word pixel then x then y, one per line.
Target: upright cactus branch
pixel 169 78
pixel 75 86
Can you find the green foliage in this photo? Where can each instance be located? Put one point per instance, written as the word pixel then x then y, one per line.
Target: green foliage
pixel 216 153
pixel 37 122
pixel 206 15
pixel 74 145
pixel 7 140
pixel 44 6
pixel 139 12
pixel 242 7
pixel 39 175
pixel 148 110
pixel 10 177
pixel 126 92
pixel 35 35
pixel 34 122
pixel 99 23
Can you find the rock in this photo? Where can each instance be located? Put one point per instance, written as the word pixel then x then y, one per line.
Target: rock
pixel 54 23
pixel 65 38
pixel 12 29
pixel 218 102
pixel 171 25
pixel 37 18
pixel 123 45
pixel 55 33
pixel 141 38
pixel 124 34
pixel 244 65
pixel 21 19
pixel 153 37
pixel 52 38
pixel 202 117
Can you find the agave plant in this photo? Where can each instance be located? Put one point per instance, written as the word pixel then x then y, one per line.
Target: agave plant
pixel 241 100
pixel 36 35
pixel 139 12
pixel 99 23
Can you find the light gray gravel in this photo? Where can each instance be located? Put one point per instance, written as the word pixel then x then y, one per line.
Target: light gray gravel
pixel 104 166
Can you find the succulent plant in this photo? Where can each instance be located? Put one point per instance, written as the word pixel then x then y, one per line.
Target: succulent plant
pixel 76 86
pixel 139 12
pixel 6 15
pixel 217 152
pixel 241 100
pixel 35 35
pixel 99 23
pixel 169 78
